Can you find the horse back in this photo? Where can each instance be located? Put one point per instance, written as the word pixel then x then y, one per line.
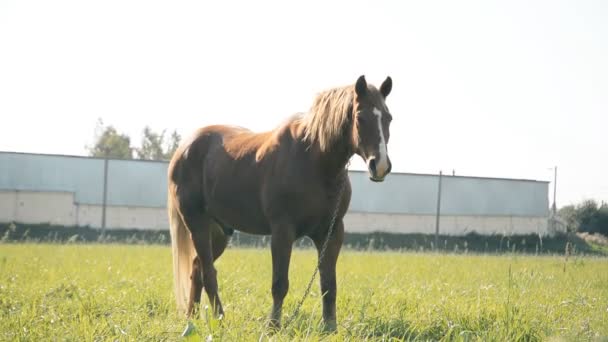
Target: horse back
pixel 246 179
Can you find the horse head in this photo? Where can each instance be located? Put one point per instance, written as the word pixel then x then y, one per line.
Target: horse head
pixel 371 131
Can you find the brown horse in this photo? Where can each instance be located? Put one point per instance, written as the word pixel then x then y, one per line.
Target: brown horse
pixel 283 183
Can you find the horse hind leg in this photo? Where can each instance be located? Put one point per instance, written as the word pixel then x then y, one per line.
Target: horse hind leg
pixel 209 242
pixel 196 288
pixel 219 241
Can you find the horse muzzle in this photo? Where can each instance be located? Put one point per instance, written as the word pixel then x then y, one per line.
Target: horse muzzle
pixel 378 169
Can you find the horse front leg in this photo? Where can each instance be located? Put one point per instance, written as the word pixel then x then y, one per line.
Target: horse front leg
pixel 281 244
pixel 327 271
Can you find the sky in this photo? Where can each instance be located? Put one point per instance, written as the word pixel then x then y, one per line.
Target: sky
pixel 492 89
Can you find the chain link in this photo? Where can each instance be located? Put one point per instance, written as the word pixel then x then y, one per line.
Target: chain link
pixel 330 231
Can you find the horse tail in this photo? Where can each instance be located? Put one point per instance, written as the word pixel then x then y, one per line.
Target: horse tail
pixel 183 253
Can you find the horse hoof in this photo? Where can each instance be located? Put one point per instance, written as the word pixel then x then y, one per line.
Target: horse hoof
pixel 189 330
pixel 330 326
pixel 274 325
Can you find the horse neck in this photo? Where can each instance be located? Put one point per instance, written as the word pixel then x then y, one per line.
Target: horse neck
pixel 334 160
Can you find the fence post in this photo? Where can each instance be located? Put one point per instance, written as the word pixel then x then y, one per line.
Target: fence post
pixel 105 195
pixel 555 192
pixel 438 212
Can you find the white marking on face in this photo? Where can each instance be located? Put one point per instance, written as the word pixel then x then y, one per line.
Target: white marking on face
pixel 382 159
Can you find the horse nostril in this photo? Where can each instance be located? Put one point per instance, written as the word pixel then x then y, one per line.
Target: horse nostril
pixel 372 165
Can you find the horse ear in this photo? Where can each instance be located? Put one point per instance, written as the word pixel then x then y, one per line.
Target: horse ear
pixel 386 87
pixel 361 86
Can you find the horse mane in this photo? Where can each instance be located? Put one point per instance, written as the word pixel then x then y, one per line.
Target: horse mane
pixel 323 124
pixel 326 118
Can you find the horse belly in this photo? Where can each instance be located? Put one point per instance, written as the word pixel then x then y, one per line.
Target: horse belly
pixel 243 220
pixel 237 205
pixel 305 207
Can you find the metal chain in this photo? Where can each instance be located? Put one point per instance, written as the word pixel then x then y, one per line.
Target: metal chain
pixel 322 252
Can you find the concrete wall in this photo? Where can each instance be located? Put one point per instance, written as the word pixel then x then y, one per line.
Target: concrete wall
pixel 59 208
pixel 67 190
pixel 357 222
pixel 37 207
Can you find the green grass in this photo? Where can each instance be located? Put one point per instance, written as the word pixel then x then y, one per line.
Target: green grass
pixel 117 292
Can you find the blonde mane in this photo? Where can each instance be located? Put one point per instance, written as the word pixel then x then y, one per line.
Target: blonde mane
pixel 325 120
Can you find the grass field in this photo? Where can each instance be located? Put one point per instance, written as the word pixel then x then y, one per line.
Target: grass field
pixel 117 292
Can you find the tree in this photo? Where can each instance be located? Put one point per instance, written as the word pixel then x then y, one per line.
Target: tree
pixel 109 143
pixel 174 142
pixel 602 220
pixel 586 216
pixel 154 147
pixel 568 214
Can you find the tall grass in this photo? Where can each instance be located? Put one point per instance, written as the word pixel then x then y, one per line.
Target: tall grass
pixel 117 292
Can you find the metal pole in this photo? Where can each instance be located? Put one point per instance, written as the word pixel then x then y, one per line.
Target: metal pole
pixel 554 192
pixel 438 213
pixel 105 194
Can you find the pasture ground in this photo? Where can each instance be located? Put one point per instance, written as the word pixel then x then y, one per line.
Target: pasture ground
pixel 119 292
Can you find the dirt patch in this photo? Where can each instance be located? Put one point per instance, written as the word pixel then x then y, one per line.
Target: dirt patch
pixel 594 238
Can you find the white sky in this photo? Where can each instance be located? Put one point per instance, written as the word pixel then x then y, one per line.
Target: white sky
pixel 489 89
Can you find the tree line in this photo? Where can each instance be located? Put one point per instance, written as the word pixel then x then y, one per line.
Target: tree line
pixel 109 143
pixel 587 216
